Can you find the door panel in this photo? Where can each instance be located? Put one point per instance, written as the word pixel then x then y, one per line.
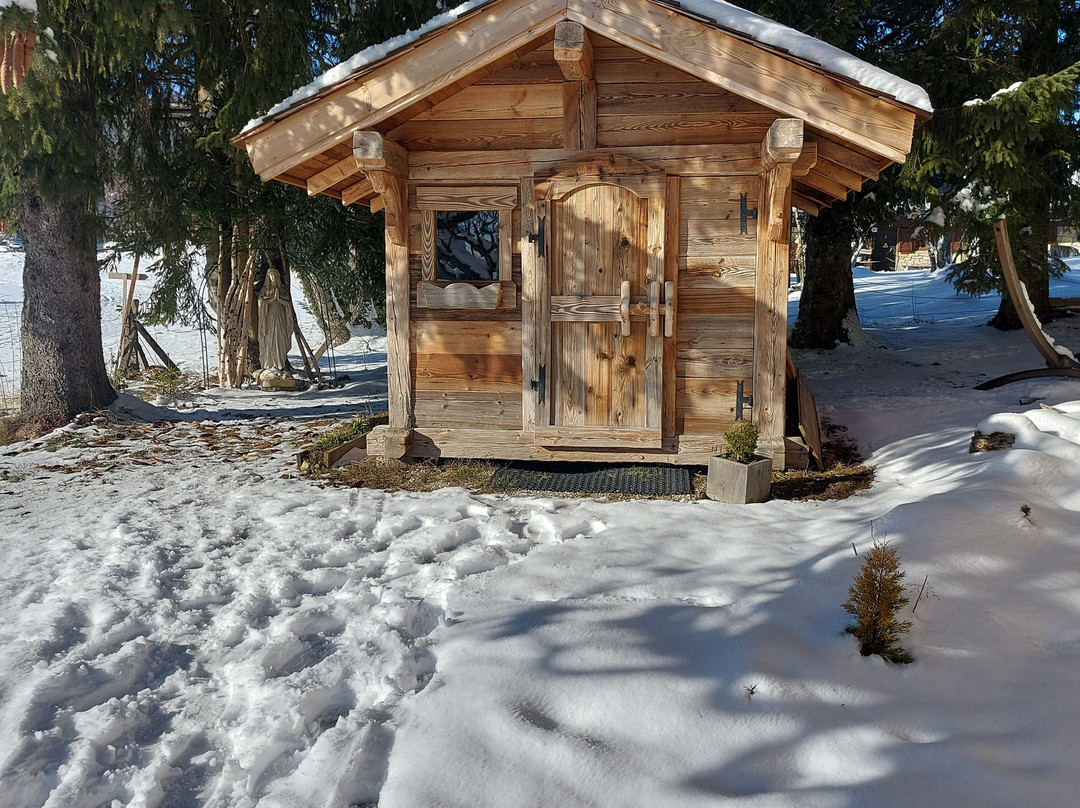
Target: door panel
pixel 598 375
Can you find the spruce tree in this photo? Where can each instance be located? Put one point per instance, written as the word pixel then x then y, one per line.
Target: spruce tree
pixel 1005 138
pixel 237 61
pixel 54 163
pixel 885 33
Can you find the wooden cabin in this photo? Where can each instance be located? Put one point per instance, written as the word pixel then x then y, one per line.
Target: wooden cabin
pixel 587 209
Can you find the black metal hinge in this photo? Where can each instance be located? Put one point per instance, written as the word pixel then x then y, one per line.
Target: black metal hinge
pixel 745 213
pixel 540 383
pixel 741 400
pixel 538 237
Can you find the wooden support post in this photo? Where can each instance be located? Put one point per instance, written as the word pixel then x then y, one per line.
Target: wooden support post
pixel 386 166
pixel 129 296
pixel 164 357
pixel 528 252
pixel 587 114
pixel 780 150
pixel 579 115
pixel 574 55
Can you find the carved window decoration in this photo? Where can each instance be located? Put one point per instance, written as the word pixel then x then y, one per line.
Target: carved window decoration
pixel 467 247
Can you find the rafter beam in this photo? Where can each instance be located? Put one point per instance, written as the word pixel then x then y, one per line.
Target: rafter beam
pixel 341 170
pixel 357 192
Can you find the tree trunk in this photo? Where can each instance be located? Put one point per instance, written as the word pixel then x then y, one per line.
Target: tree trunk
pixel 1029 251
pixel 63 364
pixel 828 293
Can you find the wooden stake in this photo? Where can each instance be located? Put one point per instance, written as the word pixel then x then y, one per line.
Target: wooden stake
pixel 129 296
pixel 164 357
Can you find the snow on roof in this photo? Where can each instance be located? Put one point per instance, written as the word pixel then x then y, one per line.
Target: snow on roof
pixel 724 15
pixel 807 48
pixel 367 57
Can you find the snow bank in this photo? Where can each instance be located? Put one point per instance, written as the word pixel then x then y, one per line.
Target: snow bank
pixel 187 624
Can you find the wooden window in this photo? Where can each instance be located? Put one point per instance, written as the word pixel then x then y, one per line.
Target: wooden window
pixel 467 247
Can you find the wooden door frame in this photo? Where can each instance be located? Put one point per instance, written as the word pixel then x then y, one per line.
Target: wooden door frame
pixel 539 193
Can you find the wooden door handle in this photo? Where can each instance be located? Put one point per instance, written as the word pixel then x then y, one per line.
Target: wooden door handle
pixel 624 308
pixel 669 308
pixel 654 308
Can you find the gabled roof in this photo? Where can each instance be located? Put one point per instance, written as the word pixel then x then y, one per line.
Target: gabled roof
pixel 718 13
pixel 775 66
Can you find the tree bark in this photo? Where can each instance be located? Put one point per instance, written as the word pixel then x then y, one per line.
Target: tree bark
pixel 63 363
pixel 828 290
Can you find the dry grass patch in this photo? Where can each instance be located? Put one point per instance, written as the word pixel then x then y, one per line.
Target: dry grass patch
pixel 386 474
pixel 839 481
pixel 14 429
pixel 992 442
pixel 344 433
pixel 844 472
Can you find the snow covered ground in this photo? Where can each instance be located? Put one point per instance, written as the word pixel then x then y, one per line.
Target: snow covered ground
pixel 187 624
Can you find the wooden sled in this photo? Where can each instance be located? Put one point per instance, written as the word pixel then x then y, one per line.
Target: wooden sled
pixel 1057 363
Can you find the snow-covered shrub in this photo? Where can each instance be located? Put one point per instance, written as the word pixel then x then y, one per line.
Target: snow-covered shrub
pixel 874 601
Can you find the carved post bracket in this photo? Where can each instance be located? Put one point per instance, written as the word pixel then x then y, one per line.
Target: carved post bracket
pixel 386 166
pixel 781 148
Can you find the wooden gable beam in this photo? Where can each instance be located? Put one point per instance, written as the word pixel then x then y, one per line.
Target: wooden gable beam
pixel 753 72
pixel 783 143
pixel 573 51
pixel 574 56
pixel 431 64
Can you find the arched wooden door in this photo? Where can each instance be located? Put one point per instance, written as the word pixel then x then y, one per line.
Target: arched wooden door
pixel 609 308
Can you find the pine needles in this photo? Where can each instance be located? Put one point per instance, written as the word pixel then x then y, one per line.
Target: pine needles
pixel 874 600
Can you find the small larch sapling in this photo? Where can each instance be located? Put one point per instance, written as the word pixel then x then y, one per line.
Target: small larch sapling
pixel 874 600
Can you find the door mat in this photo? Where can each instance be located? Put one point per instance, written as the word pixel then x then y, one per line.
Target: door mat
pixel 592 478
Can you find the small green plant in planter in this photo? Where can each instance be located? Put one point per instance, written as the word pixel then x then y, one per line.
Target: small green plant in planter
pixel 741 442
pixel 738 475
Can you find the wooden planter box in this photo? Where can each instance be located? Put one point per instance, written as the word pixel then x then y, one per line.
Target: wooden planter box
pixel 351 451
pixel 739 483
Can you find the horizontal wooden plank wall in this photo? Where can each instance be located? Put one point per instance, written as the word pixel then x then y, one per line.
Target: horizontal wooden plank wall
pixel 640 102
pixel 466 364
pixel 716 302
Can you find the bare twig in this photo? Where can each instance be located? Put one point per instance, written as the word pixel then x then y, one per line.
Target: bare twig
pixel 921 589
